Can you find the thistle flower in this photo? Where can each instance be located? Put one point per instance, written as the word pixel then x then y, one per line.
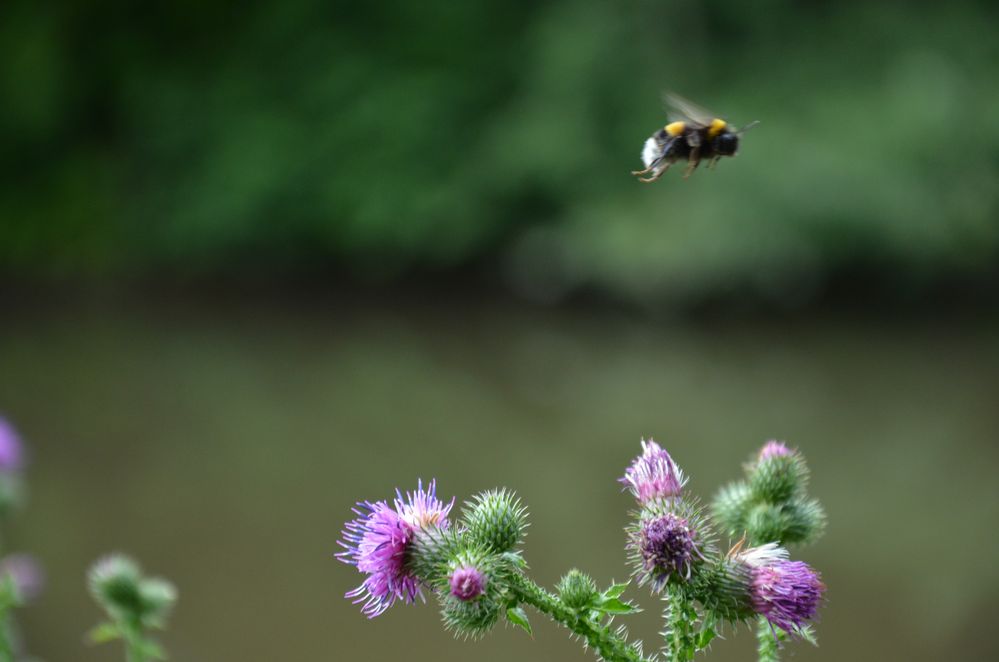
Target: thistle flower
pixel 379 540
pixel 653 474
pixel 11 449
pixel 26 574
pixel 774 448
pixel 667 547
pixel 467 583
pixel 786 593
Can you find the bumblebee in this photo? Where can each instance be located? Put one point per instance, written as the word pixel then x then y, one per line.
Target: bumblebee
pixel 693 134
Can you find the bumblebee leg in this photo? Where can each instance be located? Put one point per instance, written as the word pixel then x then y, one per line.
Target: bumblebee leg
pixel 656 175
pixel 693 161
pixel 643 172
pixel 713 162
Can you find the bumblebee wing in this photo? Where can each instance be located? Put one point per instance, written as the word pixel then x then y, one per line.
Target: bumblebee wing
pixel 685 110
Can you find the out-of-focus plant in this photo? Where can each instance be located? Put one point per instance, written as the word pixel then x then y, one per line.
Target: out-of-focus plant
pixel 134 603
pixel 477 571
pixel 21 577
pixel 772 505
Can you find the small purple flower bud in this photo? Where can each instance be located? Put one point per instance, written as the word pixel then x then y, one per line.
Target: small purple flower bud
pixel 774 448
pixel 467 583
pixel 653 474
pixel 787 593
pixel 378 541
pixel 27 574
pixel 11 449
pixel 667 547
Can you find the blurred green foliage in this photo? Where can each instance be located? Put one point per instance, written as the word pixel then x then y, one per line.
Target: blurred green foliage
pixel 208 138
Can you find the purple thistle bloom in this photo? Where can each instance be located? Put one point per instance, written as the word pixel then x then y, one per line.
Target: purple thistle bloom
pixel 667 546
pixel 653 474
pixel 774 448
pixel 787 593
pixel 11 449
pixel 26 573
pixel 377 542
pixel 467 583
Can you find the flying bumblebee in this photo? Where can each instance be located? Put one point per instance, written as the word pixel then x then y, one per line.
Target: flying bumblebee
pixel 693 134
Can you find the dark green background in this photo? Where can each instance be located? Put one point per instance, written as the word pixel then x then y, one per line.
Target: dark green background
pixel 261 260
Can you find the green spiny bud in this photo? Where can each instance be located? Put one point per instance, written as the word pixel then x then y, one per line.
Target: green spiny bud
pixel 804 521
pixel 470 591
pixel 577 589
pixel 114 583
pixel 496 519
pixel 765 523
pixel 778 474
pixel 731 507
pixel 117 584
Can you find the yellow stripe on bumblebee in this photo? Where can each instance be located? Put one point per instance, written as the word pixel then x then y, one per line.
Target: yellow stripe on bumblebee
pixel 675 128
pixel 717 126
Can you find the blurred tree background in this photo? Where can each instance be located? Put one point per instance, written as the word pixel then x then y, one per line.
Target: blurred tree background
pixel 192 140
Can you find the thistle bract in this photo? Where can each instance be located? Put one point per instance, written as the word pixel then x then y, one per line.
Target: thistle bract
pixel 378 543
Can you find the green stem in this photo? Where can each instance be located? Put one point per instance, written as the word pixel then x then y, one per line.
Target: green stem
pixel 6 649
pixel 608 645
pixel 768 642
pixel 133 643
pixel 680 617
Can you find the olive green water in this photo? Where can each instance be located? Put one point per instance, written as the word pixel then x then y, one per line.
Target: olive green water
pixel 223 446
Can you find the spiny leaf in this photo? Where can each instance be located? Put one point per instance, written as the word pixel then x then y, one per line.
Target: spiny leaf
pixel 517 616
pixel 104 632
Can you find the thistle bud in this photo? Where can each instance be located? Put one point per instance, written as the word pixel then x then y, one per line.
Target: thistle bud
pixel 731 507
pixel 469 592
pixel 577 589
pixel 496 519
pixel 778 474
pixel 766 523
pixel 804 521
pixel 117 584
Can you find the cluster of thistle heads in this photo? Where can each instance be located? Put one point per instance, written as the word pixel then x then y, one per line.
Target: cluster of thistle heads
pixel 21 576
pixel 673 546
pixel 411 545
pixel 133 602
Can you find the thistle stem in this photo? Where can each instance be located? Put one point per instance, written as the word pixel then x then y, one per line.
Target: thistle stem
pixel 767 647
pixel 680 617
pixel 609 645
pixel 6 649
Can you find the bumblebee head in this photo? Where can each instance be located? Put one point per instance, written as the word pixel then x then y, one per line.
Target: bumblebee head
pixel 726 144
